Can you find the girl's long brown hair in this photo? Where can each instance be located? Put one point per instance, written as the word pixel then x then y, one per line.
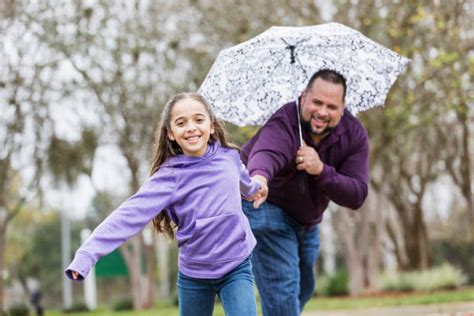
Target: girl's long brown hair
pixel 165 148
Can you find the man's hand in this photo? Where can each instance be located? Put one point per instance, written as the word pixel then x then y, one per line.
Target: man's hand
pixel 262 194
pixel 307 159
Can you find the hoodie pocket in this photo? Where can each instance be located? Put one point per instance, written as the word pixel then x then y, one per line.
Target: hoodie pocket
pixel 217 239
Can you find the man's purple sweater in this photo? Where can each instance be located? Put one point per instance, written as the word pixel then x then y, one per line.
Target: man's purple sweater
pixel 203 197
pixel 272 151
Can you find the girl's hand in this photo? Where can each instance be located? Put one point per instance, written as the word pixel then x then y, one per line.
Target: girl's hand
pixel 262 194
pixel 75 275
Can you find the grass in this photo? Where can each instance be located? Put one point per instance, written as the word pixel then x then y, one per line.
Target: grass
pixel 390 299
pixel 323 303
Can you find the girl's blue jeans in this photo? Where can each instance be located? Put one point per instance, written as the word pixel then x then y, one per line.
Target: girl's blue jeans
pixel 196 297
pixel 283 260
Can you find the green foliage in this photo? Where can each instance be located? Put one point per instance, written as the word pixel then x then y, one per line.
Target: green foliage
pixel 442 277
pixel 44 250
pixel 443 60
pixel 19 309
pixel 458 252
pixel 122 304
pixel 239 135
pixel 77 307
pixel 67 160
pixel 332 285
pixel 42 256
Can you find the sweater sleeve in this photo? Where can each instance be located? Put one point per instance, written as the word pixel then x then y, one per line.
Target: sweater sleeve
pixel 272 150
pixel 248 186
pixel 348 185
pixel 125 222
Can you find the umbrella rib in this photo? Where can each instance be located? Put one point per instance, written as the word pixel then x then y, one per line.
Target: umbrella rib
pixel 270 74
pixel 301 65
pixel 281 59
pixel 295 55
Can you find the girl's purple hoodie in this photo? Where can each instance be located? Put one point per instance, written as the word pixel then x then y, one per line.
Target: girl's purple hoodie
pixel 203 197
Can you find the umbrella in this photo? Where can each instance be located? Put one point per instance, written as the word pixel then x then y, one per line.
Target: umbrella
pixel 248 82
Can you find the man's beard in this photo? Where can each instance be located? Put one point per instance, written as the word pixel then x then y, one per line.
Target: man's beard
pixel 307 127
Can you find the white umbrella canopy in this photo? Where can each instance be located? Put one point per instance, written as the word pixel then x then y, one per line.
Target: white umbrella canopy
pixel 248 82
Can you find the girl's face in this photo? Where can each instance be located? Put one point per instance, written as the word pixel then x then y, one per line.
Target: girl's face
pixel 190 127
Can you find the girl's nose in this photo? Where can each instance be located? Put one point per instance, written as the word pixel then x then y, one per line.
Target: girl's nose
pixel 191 127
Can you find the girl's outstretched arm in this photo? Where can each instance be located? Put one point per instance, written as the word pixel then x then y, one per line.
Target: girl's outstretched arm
pixel 123 223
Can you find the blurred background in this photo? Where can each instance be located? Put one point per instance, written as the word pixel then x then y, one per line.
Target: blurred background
pixel 82 85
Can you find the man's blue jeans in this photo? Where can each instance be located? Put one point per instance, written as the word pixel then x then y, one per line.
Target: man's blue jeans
pixel 196 297
pixel 283 259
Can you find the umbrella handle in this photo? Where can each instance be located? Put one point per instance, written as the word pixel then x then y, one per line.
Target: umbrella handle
pixel 301 181
pixel 302 175
pixel 300 133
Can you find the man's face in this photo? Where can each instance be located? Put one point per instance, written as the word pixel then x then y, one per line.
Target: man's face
pixel 322 107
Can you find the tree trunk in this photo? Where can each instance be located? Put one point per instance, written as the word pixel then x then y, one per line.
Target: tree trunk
pixel 355 269
pixel 162 252
pixel 374 251
pixel 3 235
pixel 352 253
pixel 328 246
pixel 132 257
pixel 466 169
pixel 150 273
pixel 416 240
pixel 361 236
pixel 6 217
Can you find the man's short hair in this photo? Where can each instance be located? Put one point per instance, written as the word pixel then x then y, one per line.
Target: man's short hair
pixel 330 76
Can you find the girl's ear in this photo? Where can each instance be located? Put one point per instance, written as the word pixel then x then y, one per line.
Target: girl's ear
pixel 170 135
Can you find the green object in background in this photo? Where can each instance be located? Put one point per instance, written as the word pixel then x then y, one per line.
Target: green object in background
pixel 112 265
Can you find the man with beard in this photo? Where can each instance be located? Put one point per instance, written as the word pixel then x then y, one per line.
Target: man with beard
pixel 332 165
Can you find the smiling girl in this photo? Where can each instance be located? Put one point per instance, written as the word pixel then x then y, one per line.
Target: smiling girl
pixel 196 184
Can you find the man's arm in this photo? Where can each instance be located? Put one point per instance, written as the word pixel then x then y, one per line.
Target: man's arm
pixel 347 186
pixel 272 150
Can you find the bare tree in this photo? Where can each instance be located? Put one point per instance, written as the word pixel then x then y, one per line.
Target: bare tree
pixel 360 234
pixel 407 152
pixel 452 66
pixel 25 125
pixel 128 58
